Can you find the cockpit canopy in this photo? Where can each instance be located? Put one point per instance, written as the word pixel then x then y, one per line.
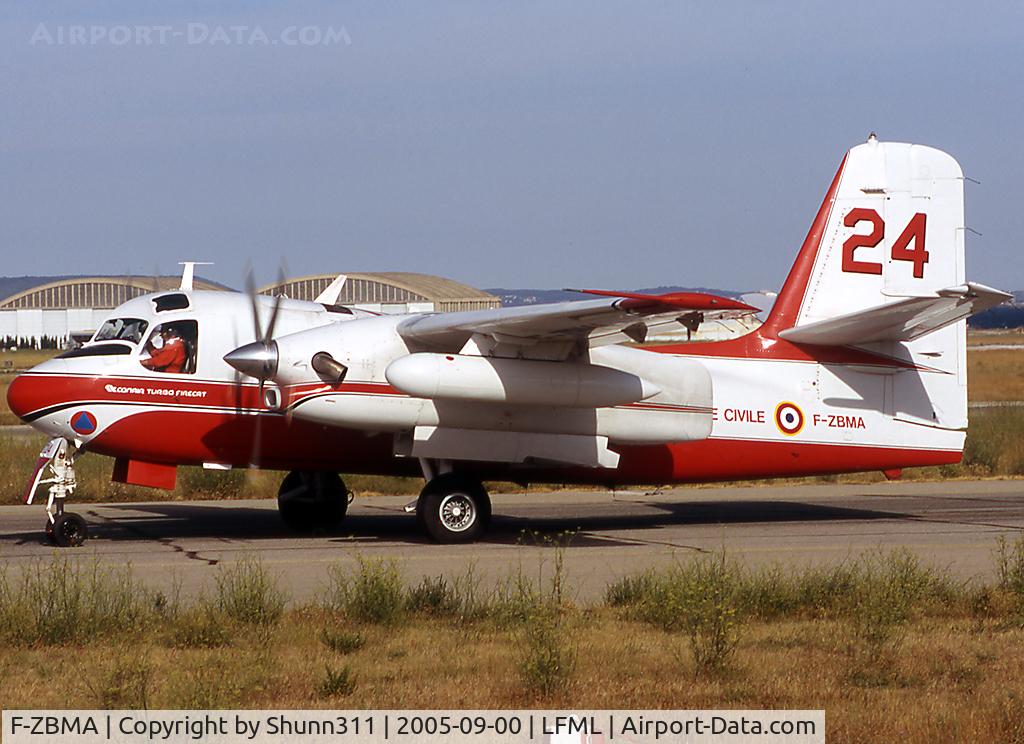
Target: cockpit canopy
pixel 131 330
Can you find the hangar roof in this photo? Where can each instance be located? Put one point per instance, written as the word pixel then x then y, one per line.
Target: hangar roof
pixel 93 291
pixel 387 287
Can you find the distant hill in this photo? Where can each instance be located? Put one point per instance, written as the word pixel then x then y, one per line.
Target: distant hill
pixel 10 285
pixel 1006 316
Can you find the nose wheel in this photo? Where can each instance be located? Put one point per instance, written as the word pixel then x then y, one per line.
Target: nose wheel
pixel 454 508
pixel 67 530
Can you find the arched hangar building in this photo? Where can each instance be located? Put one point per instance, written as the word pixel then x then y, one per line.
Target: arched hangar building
pixel 64 306
pixel 390 292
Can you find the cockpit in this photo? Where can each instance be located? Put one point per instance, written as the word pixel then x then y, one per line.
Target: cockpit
pixel 116 337
pixel 169 347
pixel 122 329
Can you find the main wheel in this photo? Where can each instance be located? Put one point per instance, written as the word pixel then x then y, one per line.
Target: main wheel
pixel 69 530
pixel 454 509
pixel 312 499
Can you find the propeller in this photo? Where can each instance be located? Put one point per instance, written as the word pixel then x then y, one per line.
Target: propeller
pixel 260 358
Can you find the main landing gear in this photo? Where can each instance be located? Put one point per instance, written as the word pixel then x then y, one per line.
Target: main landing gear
pixel 453 507
pixel 313 499
pixel 64 529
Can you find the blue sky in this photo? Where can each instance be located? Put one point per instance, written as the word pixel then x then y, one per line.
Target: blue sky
pixel 502 144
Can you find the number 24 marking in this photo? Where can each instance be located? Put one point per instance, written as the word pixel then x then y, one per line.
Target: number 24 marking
pixel 901 249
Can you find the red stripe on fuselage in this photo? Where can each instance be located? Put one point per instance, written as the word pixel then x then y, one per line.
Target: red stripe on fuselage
pixel 32 392
pixel 192 437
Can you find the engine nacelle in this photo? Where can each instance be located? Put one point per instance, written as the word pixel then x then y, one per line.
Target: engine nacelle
pixel 516 381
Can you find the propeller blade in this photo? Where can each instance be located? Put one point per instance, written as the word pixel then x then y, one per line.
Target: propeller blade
pixel 277 307
pixel 250 290
pixel 257 442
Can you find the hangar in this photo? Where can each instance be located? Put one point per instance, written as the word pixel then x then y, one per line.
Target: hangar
pixel 390 292
pixel 70 305
pixel 57 307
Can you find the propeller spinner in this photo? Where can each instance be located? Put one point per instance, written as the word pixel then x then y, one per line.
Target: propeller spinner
pixel 260 358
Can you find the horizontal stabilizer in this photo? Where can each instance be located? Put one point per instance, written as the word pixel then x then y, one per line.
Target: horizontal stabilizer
pixel 902 320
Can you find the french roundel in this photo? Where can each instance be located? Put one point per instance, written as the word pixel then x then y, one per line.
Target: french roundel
pixel 789 418
pixel 83 422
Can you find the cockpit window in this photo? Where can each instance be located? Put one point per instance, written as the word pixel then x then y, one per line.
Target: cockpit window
pixel 167 302
pixel 122 329
pixel 172 348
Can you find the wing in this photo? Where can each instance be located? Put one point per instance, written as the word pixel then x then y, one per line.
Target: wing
pixel 903 320
pixel 562 329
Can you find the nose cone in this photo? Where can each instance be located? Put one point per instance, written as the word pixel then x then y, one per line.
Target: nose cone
pixel 20 397
pixel 257 359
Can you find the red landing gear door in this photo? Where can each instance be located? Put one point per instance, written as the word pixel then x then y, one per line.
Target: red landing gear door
pixel 47 454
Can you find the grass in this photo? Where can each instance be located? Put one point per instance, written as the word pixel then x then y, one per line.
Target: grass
pixel 996 374
pixel 124 682
pixel 995 442
pixel 337 682
pixel 6 417
pixel 987 338
pixel 891 649
pixel 21 359
pixel 247 593
pixel 548 652
pixel 341 641
pixel 61 602
pixel 373 593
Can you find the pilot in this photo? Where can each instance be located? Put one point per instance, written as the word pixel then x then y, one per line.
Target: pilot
pixel 171 356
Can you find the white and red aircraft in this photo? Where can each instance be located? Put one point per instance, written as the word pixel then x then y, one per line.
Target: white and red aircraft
pixel 860 365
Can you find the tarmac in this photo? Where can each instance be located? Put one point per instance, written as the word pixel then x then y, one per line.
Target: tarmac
pixel 169 544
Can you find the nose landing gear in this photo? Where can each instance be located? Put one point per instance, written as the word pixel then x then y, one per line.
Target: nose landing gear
pixel 64 529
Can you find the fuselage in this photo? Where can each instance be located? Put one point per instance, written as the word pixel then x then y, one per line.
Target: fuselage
pixel 768 408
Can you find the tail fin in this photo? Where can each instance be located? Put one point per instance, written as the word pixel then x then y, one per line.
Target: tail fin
pixel 882 268
pixel 891 228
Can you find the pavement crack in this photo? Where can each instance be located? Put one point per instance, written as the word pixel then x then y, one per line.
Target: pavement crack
pixel 165 541
pixel 638 541
pixel 936 520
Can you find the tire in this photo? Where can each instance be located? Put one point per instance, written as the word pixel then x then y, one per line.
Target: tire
pixel 69 530
pixel 454 509
pixel 312 499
